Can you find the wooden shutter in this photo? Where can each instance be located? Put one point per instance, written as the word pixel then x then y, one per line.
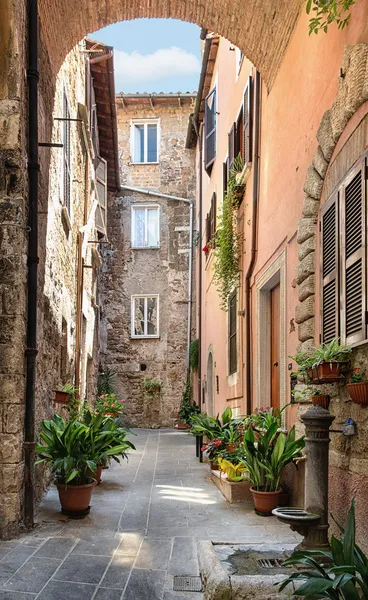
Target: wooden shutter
pixel 330 270
pixel 247 122
pixel 233 350
pixel 225 176
pixel 208 228
pixel 210 129
pixel 101 181
pixel 213 219
pixel 231 142
pixel 353 257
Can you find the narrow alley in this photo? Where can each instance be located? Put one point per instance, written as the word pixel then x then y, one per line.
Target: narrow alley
pixel 147 517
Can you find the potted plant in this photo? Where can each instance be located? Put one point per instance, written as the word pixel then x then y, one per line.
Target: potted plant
pixel 358 388
pixel 339 574
pixel 318 399
pixel 109 405
pixel 152 385
pixel 213 427
pixel 234 472
pixel 65 446
pixel 64 394
pixel 187 409
pixel 329 360
pixel 231 438
pixel 264 458
pixel 212 449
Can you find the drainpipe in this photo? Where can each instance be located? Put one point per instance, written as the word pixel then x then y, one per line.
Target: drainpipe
pixel 200 272
pixel 255 202
pixel 190 274
pixel 31 350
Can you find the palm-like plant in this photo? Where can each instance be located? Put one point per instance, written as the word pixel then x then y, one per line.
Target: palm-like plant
pixel 343 577
pixel 266 455
pixel 214 427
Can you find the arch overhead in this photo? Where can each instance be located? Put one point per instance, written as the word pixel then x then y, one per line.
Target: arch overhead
pixel 261 30
pixel 352 93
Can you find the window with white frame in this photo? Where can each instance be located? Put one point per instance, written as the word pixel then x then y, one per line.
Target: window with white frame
pixel 145 317
pixel 144 141
pixel 145 226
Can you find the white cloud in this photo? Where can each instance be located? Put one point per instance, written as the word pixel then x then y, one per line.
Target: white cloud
pixel 136 68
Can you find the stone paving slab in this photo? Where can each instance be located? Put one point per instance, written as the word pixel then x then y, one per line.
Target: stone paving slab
pixel 146 519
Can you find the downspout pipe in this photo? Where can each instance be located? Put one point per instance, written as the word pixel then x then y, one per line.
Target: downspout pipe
pixel 253 254
pixel 31 350
pixel 200 264
pixel 190 273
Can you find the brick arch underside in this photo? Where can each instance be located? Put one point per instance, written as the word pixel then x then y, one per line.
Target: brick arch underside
pixel 352 93
pixel 64 24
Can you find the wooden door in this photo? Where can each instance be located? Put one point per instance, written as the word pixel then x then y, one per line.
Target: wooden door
pixel 275 347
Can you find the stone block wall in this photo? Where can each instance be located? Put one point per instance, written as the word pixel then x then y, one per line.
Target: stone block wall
pixel 162 271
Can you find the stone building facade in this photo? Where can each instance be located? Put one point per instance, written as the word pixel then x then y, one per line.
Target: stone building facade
pixel 70 229
pixel 145 271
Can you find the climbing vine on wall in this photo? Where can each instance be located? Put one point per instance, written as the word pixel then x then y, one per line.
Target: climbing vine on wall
pixel 227 252
pixel 326 12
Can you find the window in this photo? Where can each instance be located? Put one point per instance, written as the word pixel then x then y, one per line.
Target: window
pixel 211 219
pixel 343 231
pixel 66 153
pixel 246 143
pixel 101 183
pixel 233 351
pixel 210 120
pixel 145 142
pixel 238 60
pixel 145 226
pixel 145 321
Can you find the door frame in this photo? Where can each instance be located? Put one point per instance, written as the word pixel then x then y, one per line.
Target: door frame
pixel 273 276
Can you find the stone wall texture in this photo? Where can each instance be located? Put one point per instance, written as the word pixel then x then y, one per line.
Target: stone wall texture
pixel 162 271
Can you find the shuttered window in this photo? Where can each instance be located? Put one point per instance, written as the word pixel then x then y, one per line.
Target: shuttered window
pixel 101 182
pixel 210 121
pixel 353 256
pixel 66 154
pixel 344 259
pixel 233 353
pixel 211 220
pixel 231 145
pixel 247 122
pixel 330 269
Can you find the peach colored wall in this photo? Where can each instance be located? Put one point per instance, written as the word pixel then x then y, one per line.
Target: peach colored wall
pixel 304 89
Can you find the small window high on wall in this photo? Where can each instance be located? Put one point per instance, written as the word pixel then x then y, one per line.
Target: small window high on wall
pixel 210 121
pixel 145 316
pixel 145 226
pixel 144 142
pixel 343 240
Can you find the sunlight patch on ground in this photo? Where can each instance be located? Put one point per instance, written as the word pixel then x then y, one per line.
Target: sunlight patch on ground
pixel 185 494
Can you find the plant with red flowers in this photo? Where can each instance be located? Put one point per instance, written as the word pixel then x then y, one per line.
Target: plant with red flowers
pixel 213 447
pixel 207 247
pixel 108 404
pixel 357 377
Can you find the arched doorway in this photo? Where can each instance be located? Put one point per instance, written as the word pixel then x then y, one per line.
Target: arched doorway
pixel 210 385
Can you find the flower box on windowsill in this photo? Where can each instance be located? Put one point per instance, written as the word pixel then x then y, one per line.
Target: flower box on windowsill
pixel 358 392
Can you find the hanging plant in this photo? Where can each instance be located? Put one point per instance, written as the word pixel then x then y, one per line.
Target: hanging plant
pixel 194 355
pixel 226 269
pixel 326 12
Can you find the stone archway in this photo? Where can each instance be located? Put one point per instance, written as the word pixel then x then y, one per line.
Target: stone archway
pixel 352 93
pixel 243 23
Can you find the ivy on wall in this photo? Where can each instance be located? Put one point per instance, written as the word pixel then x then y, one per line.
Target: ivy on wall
pixel 326 12
pixel 227 252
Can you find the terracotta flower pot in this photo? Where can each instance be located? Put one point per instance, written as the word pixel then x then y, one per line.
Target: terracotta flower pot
pixel 359 392
pixel 96 475
pixel 75 499
pixel 325 372
pixel 181 425
pixel 61 397
pixel 323 401
pixel 213 465
pixel 265 502
pixel 232 447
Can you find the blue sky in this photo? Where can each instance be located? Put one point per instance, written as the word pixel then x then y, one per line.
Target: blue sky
pixel 154 55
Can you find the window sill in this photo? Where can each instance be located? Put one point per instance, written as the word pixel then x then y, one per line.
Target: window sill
pixel 144 337
pixel 145 247
pixel 145 163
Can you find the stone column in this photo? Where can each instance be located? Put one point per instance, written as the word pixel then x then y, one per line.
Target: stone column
pixel 13 259
pixel 317 423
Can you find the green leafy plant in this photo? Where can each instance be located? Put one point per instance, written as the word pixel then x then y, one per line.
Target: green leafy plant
pixel 108 438
pixel 152 385
pixel 266 454
pixel 343 575
pixel 74 449
pixel 326 12
pixel 212 448
pixel 106 382
pixel 109 404
pixel 213 427
pixel 188 407
pixel 231 435
pixel 331 352
pixel 357 376
pixel 194 355
pixel 263 418
pixel 226 266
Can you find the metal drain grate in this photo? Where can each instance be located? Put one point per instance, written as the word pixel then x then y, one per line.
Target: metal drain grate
pixel 270 563
pixel 187 583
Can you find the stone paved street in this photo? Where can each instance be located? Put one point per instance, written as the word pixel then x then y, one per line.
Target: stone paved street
pixel 145 520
